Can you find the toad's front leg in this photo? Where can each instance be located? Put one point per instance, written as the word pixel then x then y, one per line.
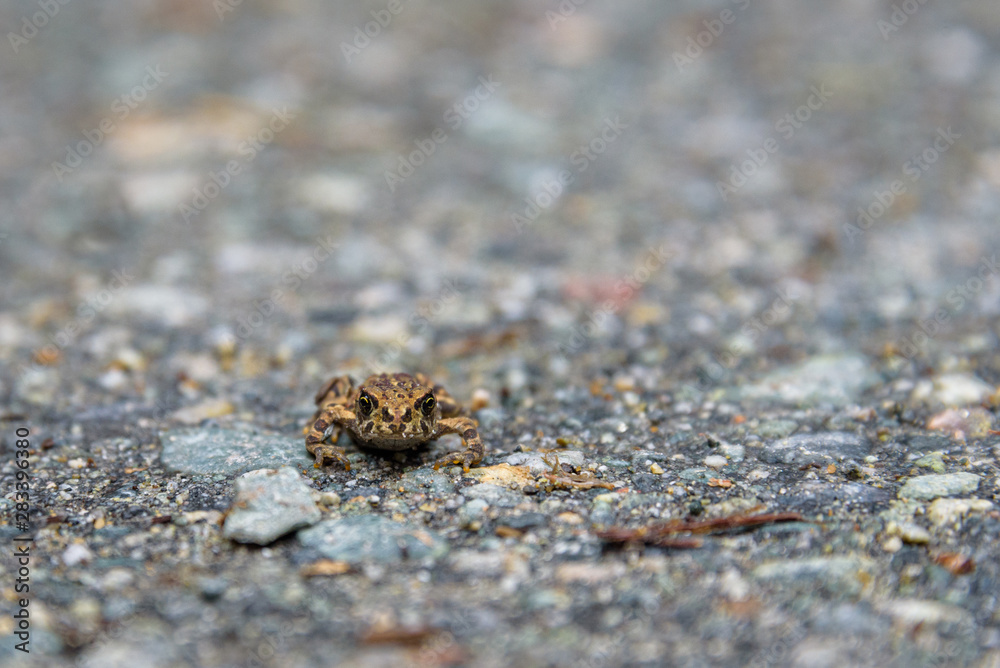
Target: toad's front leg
pixel 467 429
pixel 331 415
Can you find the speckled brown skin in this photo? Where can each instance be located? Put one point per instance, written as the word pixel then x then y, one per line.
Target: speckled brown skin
pixel 389 412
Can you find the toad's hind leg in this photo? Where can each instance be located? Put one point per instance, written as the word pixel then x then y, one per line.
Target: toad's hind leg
pixel 449 407
pixel 335 416
pixel 474 449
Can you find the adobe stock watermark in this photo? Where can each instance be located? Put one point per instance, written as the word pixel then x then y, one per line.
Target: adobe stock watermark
pixel 121 107
pixel 454 117
pixel 913 169
pixel 901 13
pixel 552 188
pixel 30 26
pixel 262 309
pixel 625 289
pixel 565 10
pixel 248 149
pixel 418 323
pixel 86 312
pixel 956 299
pixel 364 34
pixel 223 7
pixel 741 173
pixel 696 44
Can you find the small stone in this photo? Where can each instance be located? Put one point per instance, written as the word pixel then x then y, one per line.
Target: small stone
pixel 368 539
pixel 493 495
pixel 815 448
pixel 892 544
pixel 832 379
pixel 269 504
pixel 962 423
pixel 210 408
pixel 933 461
pixel 927 487
pixel 77 553
pixel 909 532
pixel 949 511
pixel 913 612
pixel 716 462
pixel 502 474
pixel 230 451
pixel 472 511
pixel 952 389
pixel 480 399
pixel 733 452
pixel 655 469
pixel 537 463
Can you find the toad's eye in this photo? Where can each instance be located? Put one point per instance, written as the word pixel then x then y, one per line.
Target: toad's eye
pixel 365 404
pixel 427 405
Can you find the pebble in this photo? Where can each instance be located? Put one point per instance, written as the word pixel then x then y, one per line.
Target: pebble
pixel 210 408
pixel 815 448
pixel 716 462
pixel 503 475
pixel 426 480
pixel 230 451
pixel 655 469
pixel 367 539
pixel 831 379
pixel 912 611
pixel 536 461
pixel 927 487
pixel 909 532
pixel 472 511
pixel 962 423
pixel 838 570
pixel 493 495
pixel 77 553
pixel 268 504
pixel 733 452
pixel 933 461
pixel 950 511
pixel 951 389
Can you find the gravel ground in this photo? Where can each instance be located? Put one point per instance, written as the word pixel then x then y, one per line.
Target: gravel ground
pixel 689 263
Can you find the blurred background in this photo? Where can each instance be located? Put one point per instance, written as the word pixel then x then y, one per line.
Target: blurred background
pixel 420 184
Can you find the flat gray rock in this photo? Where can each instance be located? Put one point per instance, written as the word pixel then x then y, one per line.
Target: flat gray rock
pixel 230 451
pixel 815 448
pixel 269 504
pixel 829 379
pixel 363 539
pixel 927 487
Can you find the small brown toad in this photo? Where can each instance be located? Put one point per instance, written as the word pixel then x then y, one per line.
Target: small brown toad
pixel 389 412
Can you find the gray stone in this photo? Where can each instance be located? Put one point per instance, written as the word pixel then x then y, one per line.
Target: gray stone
pixel 839 570
pixel 494 495
pixel 536 463
pixel 933 461
pixel 951 389
pixel 364 539
pixel 927 487
pixel 427 481
pixel 815 448
pixel 472 511
pixel 776 428
pixel 816 495
pixel 230 451
pixel 830 379
pixel 269 504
